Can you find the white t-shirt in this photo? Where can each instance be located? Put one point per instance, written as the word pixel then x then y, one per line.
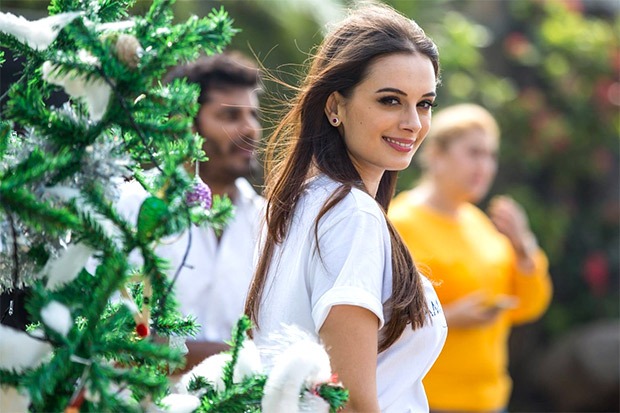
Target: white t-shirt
pixel 213 284
pixel 355 269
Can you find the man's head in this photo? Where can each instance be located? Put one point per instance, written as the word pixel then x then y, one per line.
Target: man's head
pixel 228 114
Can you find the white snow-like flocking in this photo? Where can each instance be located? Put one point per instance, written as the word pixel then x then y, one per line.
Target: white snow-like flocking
pixel 38 34
pixel 297 362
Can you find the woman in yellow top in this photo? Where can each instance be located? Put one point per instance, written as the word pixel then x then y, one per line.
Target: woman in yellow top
pixel 489 270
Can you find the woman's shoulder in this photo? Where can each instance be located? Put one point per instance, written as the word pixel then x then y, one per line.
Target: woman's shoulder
pixel 362 201
pixel 325 188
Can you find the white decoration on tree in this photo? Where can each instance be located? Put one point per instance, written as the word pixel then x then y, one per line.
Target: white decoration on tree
pixel 63 193
pixel 19 351
pixel 248 362
pixel 37 34
pixel 212 368
pixel 95 91
pixel 11 400
pixel 67 194
pixel 92 395
pixel 57 317
pixel 67 266
pixel 178 343
pixel 313 403
pixel 176 403
pixel 301 366
pixel 129 303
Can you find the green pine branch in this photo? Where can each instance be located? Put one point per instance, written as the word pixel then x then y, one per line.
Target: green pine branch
pixel 36 213
pixel 102 352
pixel 113 10
pixel 10 42
pixel 336 395
pixel 242 397
pixel 160 13
pixel 239 335
pixel 26 101
pixel 33 168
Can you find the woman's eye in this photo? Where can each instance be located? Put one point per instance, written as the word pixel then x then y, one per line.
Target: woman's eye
pixel 389 100
pixel 427 104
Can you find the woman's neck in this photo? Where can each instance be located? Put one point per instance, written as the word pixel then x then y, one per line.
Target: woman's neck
pixel 371 185
pixel 432 196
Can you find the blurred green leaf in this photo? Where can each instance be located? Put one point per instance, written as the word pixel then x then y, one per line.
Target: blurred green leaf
pixel 151 218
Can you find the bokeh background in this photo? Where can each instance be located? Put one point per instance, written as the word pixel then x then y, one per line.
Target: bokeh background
pixel 550 72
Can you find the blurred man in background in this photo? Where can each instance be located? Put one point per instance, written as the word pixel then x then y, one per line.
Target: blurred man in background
pixel 212 284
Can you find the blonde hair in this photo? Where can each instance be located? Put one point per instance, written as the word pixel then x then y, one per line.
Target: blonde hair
pixel 452 123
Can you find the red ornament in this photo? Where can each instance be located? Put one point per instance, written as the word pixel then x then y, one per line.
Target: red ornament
pixel 142 330
pixel 76 402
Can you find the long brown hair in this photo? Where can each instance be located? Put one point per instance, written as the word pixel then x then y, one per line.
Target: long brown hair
pixel 305 143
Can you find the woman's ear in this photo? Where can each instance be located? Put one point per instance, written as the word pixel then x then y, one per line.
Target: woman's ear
pixel 332 108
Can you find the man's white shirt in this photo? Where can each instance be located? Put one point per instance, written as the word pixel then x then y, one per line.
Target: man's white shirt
pixel 213 283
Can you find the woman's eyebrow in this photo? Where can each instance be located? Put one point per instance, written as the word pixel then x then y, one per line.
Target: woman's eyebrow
pixel 400 92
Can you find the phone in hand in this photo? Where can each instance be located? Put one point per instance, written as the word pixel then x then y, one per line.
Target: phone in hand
pixel 504 302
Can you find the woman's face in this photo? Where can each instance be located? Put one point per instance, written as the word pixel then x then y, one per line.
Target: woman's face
pixel 465 169
pixel 387 115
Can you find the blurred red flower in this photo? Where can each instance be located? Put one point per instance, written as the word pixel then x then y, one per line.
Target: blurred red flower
pixel 596 273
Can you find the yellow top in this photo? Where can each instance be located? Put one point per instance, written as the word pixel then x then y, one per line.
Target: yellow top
pixel 463 255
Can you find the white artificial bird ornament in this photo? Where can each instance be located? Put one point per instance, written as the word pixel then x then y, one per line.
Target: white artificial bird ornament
pixel 67 266
pixel 301 366
pixel 57 316
pixel 94 91
pixel 38 34
pixel 176 403
pixel 20 351
pixel 212 368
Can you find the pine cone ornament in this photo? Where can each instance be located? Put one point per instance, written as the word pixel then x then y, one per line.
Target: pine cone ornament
pixel 199 194
pixel 128 50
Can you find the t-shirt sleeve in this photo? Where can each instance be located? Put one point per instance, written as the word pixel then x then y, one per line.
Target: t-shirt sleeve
pixel 350 267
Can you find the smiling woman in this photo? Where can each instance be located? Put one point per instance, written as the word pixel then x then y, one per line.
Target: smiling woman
pixel 386 116
pixel 331 263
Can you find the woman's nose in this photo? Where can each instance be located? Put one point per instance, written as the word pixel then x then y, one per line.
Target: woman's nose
pixel 411 121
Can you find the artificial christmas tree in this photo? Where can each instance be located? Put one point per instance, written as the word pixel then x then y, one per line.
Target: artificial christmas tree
pixel 98 326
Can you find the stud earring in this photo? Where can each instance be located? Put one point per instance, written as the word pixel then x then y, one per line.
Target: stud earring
pixel 335 121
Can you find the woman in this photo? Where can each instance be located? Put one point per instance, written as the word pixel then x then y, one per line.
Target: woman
pixel 332 264
pixel 490 273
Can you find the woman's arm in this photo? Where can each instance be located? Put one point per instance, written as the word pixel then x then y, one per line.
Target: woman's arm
pixel 350 336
